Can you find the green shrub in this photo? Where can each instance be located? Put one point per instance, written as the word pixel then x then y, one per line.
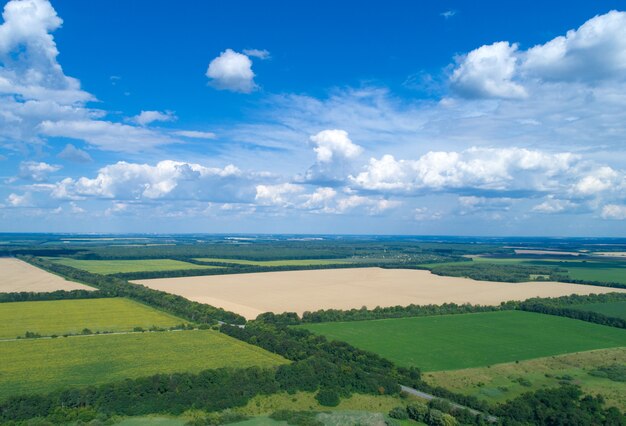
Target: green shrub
pixel 328 397
pixel 398 413
pixel 417 411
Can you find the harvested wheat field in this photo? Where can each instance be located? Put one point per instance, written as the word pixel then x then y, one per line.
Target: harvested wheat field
pixel 17 276
pixel 300 291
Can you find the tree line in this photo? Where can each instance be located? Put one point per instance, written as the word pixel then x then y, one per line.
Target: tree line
pixel 52 295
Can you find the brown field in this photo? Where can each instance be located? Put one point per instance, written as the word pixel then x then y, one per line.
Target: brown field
pixel 300 291
pixel 17 276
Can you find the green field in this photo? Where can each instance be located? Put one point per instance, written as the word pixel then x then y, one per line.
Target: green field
pixel 449 342
pixel 107 267
pixel 72 316
pixel 43 365
pixel 287 262
pixel 577 269
pixel 500 382
pixel 610 309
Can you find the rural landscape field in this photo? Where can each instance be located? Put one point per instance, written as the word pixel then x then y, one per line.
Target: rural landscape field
pixel 325 331
pixel 312 213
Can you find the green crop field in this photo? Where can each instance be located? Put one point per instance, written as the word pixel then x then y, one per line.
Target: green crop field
pixel 286 262
pixel 72 316
pixel 107 267
pixel 43 365
pixel 450 342
pixel 611 309
pixel 577 269
pixel 500 382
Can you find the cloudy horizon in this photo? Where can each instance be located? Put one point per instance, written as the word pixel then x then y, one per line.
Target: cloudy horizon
pixel 507 136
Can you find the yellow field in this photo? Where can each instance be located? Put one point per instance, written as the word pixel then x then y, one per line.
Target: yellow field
pixel 300 291
pixel 17 276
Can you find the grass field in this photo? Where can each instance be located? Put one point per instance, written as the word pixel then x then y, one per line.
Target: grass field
pixel 501 382
pixel 286 262
pixel 43 365
pixel 72 316
pixel 107 267
pixel 611 309
pixel 451 342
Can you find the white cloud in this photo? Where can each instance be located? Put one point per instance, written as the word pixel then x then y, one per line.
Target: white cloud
pixel 471 203
pixel 553 205
pixel 602 179
pixel 257 53
pixel 106 135
pixel 614 211
pixel 277 195
pixel 320 199
pixel 487 72
pixel 36 171
pixel 595 51
pixel 165 180
pixel 37 99
pixel 35 72
pixel 232 71
pixel 333 143
pixel 448 14
pixel 146 117
pixel 77 155
pixel 194 134
pixel 24 200
pixel 479 168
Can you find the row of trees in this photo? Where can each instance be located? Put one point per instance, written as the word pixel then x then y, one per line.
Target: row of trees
pixel 362 314
pixel 53 295
pixel 560 306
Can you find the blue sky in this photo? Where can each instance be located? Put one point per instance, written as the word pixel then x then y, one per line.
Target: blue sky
pixel 429 117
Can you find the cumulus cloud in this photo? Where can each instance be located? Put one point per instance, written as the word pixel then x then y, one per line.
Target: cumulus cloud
pixel 554 205
pixel 488 72
pixel 277 195
pixel 599 180
pixel 257 53
pixel 77 155
pixel 334 143
pixel 320 199
pixel 165 180
pixel 232 71
pixel 614 211
pixel 194 134
pixel 504 169
pixel 146 117
pixel 334 151
pixel 36 171
pixel 16 200
pixel 38 100
pixel 594 52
